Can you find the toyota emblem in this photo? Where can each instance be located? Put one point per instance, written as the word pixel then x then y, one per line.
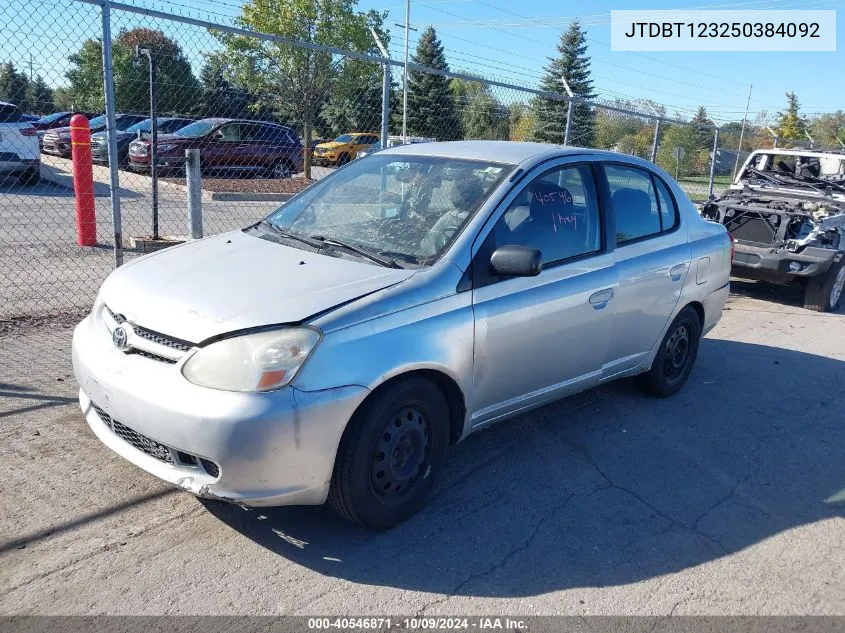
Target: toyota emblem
pixel 120 337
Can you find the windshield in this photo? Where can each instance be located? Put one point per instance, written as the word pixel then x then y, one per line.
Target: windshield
pixel 407 207
pixel 197 128
pixel 141 126
pixel 344 138
pixel 98 121
pixel 52 117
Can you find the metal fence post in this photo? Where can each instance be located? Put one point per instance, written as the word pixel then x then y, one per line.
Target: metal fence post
pixel 111 128
pixel 713 163
pixel 654 144
pixel 568 123
pixel 193 176
pixel 385 105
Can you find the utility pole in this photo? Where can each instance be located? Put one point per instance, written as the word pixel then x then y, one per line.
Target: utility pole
pixel 30 68
pixel 385 92
pixel 405 78
pixel 742 130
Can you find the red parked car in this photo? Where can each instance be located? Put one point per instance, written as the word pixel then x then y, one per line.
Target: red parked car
pixel 227 147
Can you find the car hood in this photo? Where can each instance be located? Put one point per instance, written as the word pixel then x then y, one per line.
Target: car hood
pixel 234 281
pixel 332 145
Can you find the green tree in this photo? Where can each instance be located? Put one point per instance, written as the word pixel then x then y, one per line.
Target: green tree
pixel 683 138
pixel 220 97
pixel 705 128
pixel 63 100
pixel 14 86
pixel 355 101
pixel 431 106
pixel 791 125
pixel 829 128
pixel 482 115
pixel 298 81
pixel 177 87
pixel 40 96
pixel 572 66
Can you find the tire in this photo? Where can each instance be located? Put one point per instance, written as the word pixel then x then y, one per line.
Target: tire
pixel 824 293
pixel 675 358
pixel 342 160
pixel 30 177
pixel 391 454
pixel 281 170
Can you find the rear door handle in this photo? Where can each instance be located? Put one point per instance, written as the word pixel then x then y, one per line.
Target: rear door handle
pixel 600 299
pixel 676 272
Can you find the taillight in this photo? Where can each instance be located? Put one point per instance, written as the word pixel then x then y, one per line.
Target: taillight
pixel 732 246
pixel 29 131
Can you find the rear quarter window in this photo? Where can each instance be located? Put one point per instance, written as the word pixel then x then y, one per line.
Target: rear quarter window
pixel 10 114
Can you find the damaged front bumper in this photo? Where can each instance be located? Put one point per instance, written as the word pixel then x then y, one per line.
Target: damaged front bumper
pixel 779 264
pixel 255 449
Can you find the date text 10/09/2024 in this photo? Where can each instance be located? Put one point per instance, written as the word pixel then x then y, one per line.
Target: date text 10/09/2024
pixel 415 623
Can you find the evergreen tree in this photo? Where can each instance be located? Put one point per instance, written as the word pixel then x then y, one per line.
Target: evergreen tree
pixel 573 66
pixel 705 128
pixel 13 86
pixel 218 96
pixel 40 96
pixel 431 107
pixel 791 125
pixel 355 102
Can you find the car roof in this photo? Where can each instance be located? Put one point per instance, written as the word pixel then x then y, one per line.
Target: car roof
pixel 221 120
pixel 510 152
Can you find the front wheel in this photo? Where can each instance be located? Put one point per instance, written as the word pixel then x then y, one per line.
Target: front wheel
pixel 674 360
pixel 391 455
pixel 824 293
pixel 281 170
pixel 31 176
pixel 342 160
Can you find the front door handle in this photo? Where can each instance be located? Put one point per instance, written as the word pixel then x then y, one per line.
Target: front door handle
pixel 676 272
pixel 600 299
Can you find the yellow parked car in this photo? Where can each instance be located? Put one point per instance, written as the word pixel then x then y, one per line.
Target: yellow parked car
pixel 344 148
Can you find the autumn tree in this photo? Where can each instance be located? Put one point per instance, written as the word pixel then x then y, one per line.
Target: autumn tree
pixel 178 89
pixel 791 125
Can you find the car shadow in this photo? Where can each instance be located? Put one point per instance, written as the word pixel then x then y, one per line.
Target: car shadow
pixel 790 294
pixel 606 488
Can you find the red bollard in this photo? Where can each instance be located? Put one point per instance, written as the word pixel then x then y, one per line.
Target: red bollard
pixel 83 181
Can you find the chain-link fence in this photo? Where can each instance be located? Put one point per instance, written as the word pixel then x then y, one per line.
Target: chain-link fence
pixel 261 115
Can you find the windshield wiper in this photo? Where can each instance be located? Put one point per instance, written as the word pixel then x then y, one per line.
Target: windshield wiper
pixel 330 241
pixel 291 236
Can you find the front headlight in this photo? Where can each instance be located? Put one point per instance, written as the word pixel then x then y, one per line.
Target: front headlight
pixel 252 362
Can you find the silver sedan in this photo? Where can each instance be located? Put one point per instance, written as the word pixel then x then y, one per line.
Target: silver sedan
pixel 335 350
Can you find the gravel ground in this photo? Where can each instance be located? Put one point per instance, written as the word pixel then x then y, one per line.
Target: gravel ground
pixel 726 499
pixel 249 185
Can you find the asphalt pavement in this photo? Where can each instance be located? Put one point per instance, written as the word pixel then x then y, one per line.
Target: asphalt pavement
pixel 725 499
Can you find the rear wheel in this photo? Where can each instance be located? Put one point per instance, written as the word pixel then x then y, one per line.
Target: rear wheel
pixel 824 293
pixel 674 360
pixel 391 454
pixel 281 170
pixel 342 160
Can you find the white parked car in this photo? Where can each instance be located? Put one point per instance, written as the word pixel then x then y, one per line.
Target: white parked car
pixel 19 154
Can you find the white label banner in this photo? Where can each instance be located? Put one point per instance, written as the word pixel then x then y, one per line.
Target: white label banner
pixel 728 30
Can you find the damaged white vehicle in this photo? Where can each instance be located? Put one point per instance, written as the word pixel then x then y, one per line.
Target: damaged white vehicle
pixel 786 214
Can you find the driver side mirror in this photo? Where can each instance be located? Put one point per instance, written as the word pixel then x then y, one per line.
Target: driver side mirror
pixel 516 261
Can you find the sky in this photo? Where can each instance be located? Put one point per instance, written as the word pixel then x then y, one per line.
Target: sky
pixel 500 39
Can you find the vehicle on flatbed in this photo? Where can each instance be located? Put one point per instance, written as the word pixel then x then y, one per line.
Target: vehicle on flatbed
pixel 336 349
pixel 786 214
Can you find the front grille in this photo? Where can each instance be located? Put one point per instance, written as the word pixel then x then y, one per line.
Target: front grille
pixel 161 339
pixel 151 356
pixel 143 443
pixel 154 449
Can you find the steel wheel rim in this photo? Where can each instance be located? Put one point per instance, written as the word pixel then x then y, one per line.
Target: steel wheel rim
pixel 281 171
pixel 400 454
pixel 838 285
pixel 676 353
